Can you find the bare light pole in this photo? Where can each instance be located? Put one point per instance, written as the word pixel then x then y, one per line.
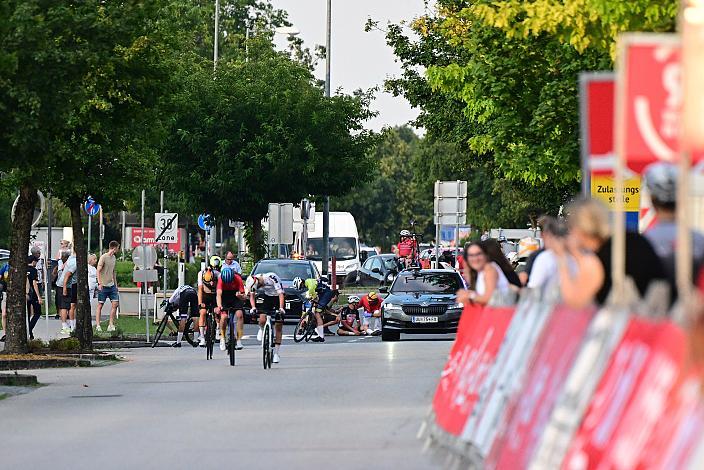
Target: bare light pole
pixel 326 203
pixel 216 42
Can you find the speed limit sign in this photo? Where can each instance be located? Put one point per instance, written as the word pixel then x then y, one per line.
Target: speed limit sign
pixel 166 227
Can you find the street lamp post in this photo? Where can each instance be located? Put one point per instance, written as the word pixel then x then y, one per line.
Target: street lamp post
pixel 326 203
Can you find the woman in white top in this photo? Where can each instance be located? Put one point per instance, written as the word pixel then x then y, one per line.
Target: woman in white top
pixel 485 277
pixel 92 275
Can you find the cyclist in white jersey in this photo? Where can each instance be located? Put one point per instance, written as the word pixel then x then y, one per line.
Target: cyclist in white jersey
pixel 266 295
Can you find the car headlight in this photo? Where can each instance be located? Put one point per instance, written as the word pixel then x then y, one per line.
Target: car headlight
pixel 392 307
pixel 457 306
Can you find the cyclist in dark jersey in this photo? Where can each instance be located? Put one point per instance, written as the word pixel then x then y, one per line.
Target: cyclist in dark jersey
pixel 185 300
pixel 207 285
pixel 267 293
pixel 230 300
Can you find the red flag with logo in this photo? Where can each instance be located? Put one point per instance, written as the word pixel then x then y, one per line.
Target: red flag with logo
pixel 631 397
pixel 479 337
pixel 530 410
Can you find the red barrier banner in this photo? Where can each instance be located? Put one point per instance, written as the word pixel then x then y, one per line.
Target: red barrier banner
pixel 631 398
pixel 679 428
pixel 479 336
pixel 530 409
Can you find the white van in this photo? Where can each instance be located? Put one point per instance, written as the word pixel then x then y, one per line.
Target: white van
pixel 344 244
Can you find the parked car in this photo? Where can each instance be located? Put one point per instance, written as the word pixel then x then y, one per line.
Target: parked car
pixel 378 271
pixel 287 270
pixel 421 301
pixel 365 252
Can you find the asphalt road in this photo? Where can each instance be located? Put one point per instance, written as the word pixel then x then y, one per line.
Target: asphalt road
pixel 348 403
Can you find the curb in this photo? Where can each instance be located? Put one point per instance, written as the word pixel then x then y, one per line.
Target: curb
pixel 24 364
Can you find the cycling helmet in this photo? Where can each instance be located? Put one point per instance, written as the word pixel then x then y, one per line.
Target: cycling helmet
pixel 661 181
pixel 405 233
pixel 353 299
pixel 227 275
pixel 215 261
pixel 298 283
pixel 208 276
pixel 372 296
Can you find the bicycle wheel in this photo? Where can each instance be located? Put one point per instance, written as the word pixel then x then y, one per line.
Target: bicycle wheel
pixel 209 336
pixel 232 338
pixel 299 333
pixel 160 330
pixel 189 332
pixel 310 327
pixel 271 348
pixel 265 345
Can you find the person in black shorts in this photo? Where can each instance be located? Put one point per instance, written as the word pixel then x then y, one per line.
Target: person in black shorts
pixel 185 299
pixel 207 299
pixel 266 296
pixel 230 299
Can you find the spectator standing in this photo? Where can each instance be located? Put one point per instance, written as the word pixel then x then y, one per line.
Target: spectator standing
pixel 661 181
pixel 589 244
pixel 93 282
pixel 70 290
pixel 4 275
pixel 34 298
pixel 64 245
pixel 492 248
pixel 231 262
pixel 107 285
pixel 37 253
pixel 63 304
pixel 544 273
pixel 486 278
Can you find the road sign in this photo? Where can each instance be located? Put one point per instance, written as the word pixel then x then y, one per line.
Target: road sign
pixel 280 224
pixel 166 227
pixel 145 275
pixel 91 207
pixel 144 256
pixel 450 202
pixel 204 222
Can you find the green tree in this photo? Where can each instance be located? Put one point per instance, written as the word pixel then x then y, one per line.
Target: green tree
pixel 83 87
pixel 261 131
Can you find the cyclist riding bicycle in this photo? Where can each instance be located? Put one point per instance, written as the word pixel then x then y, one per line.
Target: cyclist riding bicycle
pixel 371 316
pixel 207 286
pixel 267 294
pixel 407 248
pixel 326 297
pixel 230 300
pixel 185 300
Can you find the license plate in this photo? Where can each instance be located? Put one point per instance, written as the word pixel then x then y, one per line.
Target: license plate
pixel 425 319
pixel 288 305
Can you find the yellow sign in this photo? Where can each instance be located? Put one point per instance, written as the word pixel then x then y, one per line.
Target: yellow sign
pixel 603 190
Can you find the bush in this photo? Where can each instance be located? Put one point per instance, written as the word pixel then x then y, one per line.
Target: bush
pixel 65 344
pixel 36 345
pixel 124 270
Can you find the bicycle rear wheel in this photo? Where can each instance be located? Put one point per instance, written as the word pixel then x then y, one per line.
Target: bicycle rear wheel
pixel 232 338
pixel 310 327
pixel 209 335
pixel 299 333
pixel 265 345
pixel 189 332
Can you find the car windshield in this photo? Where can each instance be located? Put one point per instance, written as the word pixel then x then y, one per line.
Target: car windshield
pixel 285 270
pixel 391 263
pixel 343 248
pixel 433 283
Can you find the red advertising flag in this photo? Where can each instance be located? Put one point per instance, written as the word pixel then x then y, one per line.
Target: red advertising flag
pixel 630 399
pixel 530 409
pixel 598 123
pixel 479 337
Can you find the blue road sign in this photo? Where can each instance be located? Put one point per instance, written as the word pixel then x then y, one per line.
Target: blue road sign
pixel 203 222
pixel 91 207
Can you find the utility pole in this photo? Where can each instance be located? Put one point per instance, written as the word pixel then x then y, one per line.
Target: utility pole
pixel 216 42
pixel 326 203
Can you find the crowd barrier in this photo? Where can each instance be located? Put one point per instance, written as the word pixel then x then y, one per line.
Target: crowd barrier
pixel 543 386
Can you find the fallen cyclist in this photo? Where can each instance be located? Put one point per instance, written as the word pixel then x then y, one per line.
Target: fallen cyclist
pixel 350 323
pixel 185 300
pixel 371 316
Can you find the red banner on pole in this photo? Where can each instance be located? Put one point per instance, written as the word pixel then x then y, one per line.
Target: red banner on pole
pixel 630 399
pixel 529 411
pixel 479 336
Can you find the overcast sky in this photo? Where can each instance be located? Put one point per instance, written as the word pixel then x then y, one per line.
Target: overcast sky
pixel 359 59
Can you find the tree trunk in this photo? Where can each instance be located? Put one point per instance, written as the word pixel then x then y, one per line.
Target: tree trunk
pixel 16 341
pixel 84 323
pixel 255 239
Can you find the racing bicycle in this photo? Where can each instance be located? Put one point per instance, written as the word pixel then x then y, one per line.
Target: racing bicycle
pixel 305 329
pixel 188 332
pixel 210 328
pixel 267 343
